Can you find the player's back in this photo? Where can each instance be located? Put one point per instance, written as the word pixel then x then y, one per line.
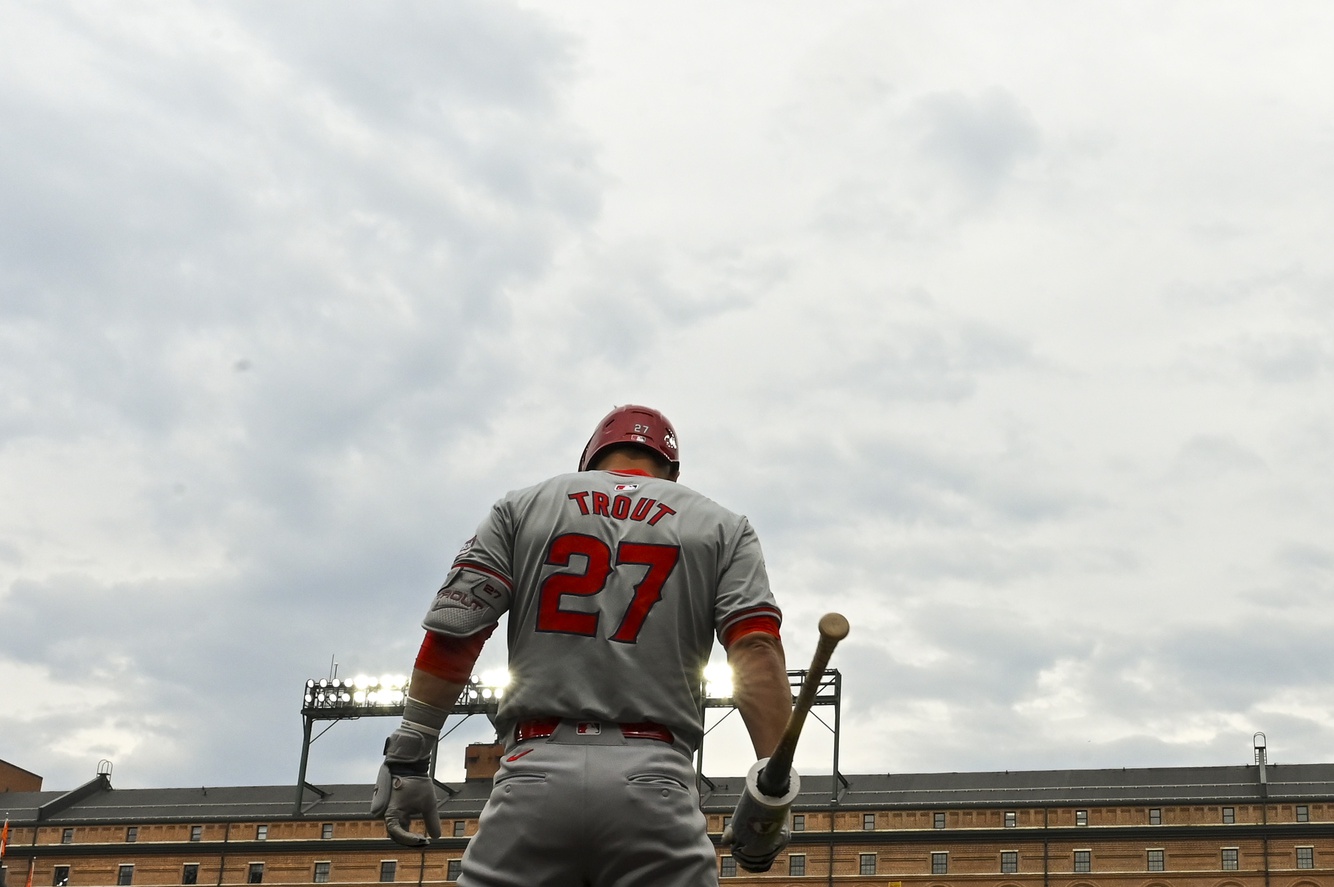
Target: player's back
pixel 620 583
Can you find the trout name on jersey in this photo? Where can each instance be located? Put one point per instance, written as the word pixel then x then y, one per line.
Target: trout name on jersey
pixel 599 504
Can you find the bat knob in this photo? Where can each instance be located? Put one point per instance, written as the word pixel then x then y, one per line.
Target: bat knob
pixel 834 626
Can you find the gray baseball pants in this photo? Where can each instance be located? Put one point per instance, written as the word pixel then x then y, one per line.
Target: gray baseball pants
pixel 597 810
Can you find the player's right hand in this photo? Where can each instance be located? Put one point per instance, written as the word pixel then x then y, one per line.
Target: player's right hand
pixel 756 853
pixel 404 789
pixel 758 831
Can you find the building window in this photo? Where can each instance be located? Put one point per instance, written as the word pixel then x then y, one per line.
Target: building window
pixel 727 820
pixel 1229 859
pixel 1229 815
pixel 326 831
pixel 452 869
pixel 938 821
pixel 1155 816
pixel 388 870
pixel 1303 813
pixel 196 833
pixel 866 864
pixel 261 833
pixel 1009 862
pixel 460 827
pixel 190 873
pixel 67 836
pixel 1156 861
pixel 798 822
pixel 1081 817
pixel 796 865
pixel 131 834
pixel 256 873
pixel 60 876
pixel 125 875
pixel 321 873
pixel 940 863
pixel 1305 857
pixel 1011 819
pixel 868 822
pixel 1083 861
pixel 728 868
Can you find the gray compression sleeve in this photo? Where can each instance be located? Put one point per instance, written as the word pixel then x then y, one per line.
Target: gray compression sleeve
pixel 423 718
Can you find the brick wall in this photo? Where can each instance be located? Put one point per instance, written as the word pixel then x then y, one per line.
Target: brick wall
pixel 16 779
pixel 972 847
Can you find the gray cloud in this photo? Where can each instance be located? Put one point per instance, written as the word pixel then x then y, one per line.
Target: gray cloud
pixel 282 307
pixel 1132 697
pixel 1206 457
pixel 981 138
pixel 287 299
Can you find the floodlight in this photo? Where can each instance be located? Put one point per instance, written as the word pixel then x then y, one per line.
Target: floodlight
pixel 498 678
pixel 718 680
pixel 366 696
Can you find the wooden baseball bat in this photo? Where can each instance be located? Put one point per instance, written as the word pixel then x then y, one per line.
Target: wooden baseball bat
pixel 773 779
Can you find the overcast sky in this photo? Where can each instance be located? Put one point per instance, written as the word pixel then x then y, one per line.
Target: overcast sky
pixel 1009 325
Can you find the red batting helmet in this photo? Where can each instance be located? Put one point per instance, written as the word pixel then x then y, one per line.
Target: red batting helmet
pixel 631 424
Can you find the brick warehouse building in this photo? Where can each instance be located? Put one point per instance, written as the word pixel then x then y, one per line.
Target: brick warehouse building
pixel 1243 826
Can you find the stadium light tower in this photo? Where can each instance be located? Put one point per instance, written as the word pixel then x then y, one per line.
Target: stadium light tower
pixel 828 693
pixel 336 699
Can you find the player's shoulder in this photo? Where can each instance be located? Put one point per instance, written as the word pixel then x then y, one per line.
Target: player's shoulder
pixel 557 485
pixel 615 483
pixel 685 499
pixel 536 490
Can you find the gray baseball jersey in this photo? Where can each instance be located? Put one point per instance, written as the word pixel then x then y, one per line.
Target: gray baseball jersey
pixel 616 585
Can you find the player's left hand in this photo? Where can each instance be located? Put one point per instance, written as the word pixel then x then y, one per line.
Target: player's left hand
pixel 404 789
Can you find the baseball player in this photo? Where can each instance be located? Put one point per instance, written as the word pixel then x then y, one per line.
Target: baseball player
pixel 616 580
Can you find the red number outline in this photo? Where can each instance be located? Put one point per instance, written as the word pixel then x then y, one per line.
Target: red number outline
pixel 598 569
pixel 550 616
pixel 660 560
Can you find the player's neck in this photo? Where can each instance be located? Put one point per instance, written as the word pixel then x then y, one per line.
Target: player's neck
pixel 632 462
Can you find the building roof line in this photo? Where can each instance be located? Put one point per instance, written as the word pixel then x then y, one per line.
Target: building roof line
pixel 98 784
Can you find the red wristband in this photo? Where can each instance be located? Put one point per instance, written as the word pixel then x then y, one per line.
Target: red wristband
pixel 450 658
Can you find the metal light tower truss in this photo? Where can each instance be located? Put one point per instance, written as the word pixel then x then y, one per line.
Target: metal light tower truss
pixel 336 700
pixel 828 693
pixel 342 700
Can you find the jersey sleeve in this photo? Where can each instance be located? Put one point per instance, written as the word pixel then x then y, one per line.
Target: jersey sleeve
pixel 479 586
pixel 745 603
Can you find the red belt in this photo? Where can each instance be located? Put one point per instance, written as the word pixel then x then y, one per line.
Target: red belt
pixel 541 728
